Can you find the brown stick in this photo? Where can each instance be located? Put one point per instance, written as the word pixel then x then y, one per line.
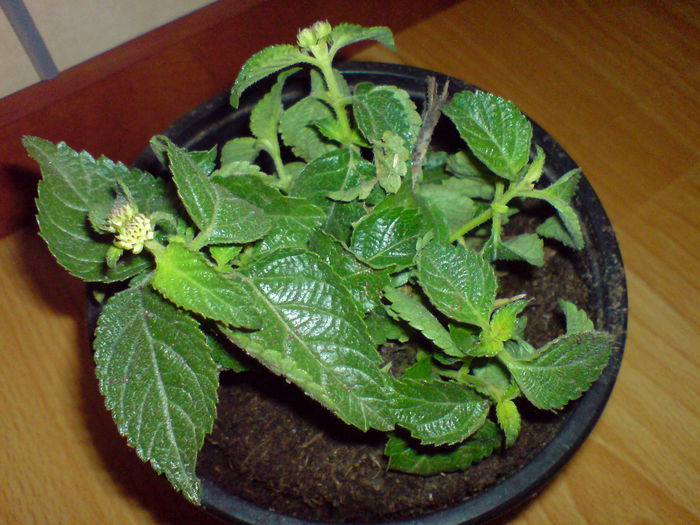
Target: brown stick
pixel 431 115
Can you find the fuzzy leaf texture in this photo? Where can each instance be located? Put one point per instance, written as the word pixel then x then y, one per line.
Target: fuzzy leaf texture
pixel 299 133
pixel 495 130
pixel 159 382
pixel 458 281
pixel 266 115
pixel 419 317
pixel 313 334
pixel 264 63
pixel 73 184
pixel 379 109
pixel 222 217
pixel 405 456
pixel 293 221
pixel 187 279
pixel 345 34
pixel 564 368
pixel 439 412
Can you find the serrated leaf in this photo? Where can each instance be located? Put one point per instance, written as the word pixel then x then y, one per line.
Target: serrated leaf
pixel 391 161
pixel 405 456
pixel 294 220
pixel 313 334
pixel 222 351
pixel 266 115
pixel 563 369
pixel 458 281
pixel 187 279
pixel 465 164
pixel 240 149
pixel 566 213
pixel 420 318
pixel 362 281
pixel 553 228
pixel 159 382
pixel 74 183
pixel 421 370
pixel 565 186
pixel 345 34
pixel 264 63
pixel 337 170
pixel 451 201
pixel 504 320
pixel 299 133
pixel 379 109
pixel 509 420
pixel 491 378
pixel 526 247
pixel 383 328
pixel 223 255
pixel 388 237
pixel 495 130
pixel 576 320
pixel 439 412
pixel 222 217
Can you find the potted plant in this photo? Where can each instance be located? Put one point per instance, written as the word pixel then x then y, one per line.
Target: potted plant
pixel 340 247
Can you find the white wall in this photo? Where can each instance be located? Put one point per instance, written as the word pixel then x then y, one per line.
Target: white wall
pixel 76 30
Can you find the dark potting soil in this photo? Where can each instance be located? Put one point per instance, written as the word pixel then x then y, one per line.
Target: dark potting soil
pixel 281 450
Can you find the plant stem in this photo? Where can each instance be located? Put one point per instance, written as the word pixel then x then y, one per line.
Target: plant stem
pixel 335 97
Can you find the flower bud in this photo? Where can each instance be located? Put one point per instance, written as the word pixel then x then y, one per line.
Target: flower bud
pixel 306 38
pixel 321 29
pixel 135 233
pixel 122 212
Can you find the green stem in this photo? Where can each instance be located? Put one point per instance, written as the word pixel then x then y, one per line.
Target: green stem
pixel 337 100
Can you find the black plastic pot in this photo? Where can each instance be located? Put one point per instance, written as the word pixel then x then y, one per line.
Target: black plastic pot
pixel 215 122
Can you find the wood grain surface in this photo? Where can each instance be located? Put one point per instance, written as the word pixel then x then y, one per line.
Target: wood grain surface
pixel 617 84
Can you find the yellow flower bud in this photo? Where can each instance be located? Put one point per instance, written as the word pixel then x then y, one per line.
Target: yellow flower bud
pixel 134 234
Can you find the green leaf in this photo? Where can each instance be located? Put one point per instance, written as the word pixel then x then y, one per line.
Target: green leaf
pixel 345 34
pixel 187 279
pixel 223 255
pixel 405 456
pixel 264 63
pixel 420 318
pixel 565 186
pixel 490 378
pixel 391 159
pixel 495 130
pixel 388 237
pixel 458 281
pixel 526 247
pixel 439 412
pixel 335 171
pixel 159 381
pixel 266 115
pixel 313 335
pixel 222 352
pixel 299 133
pixel 379 109
pixel 509 420
pixel 383 328
pixel 294 221
pixel 564 368
pixel 553 228
pixel 566 213
pixel 465 164
pixel 240 149
pixel 504 320
pixel 221 217
pixel 74 183
pixel 576 320
pixel 362 281
pixel 451 201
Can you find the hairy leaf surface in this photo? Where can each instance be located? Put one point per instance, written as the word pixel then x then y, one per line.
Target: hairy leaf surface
pixel 439 412
pixel 563 369
pixel 379 109
pixel 299 133
pixel 406 456
pixel 458 282
pixel 264 63
pixel 187 279
pixel 159 382
pixel 314 335
pixel 221 216
pixel 74 183
pixel 345 34
pixel 494 129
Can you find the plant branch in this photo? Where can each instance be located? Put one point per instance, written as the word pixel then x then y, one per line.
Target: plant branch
pixel 431 116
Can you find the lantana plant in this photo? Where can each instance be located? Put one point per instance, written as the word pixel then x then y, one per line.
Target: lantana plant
pixel 359 235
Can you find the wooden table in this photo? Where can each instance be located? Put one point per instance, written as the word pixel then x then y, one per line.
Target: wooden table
pixel 617 84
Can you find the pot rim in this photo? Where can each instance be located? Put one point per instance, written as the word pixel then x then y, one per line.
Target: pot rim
pixel 511 492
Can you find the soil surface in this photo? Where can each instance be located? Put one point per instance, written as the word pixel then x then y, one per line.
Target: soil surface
pixel 281 450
